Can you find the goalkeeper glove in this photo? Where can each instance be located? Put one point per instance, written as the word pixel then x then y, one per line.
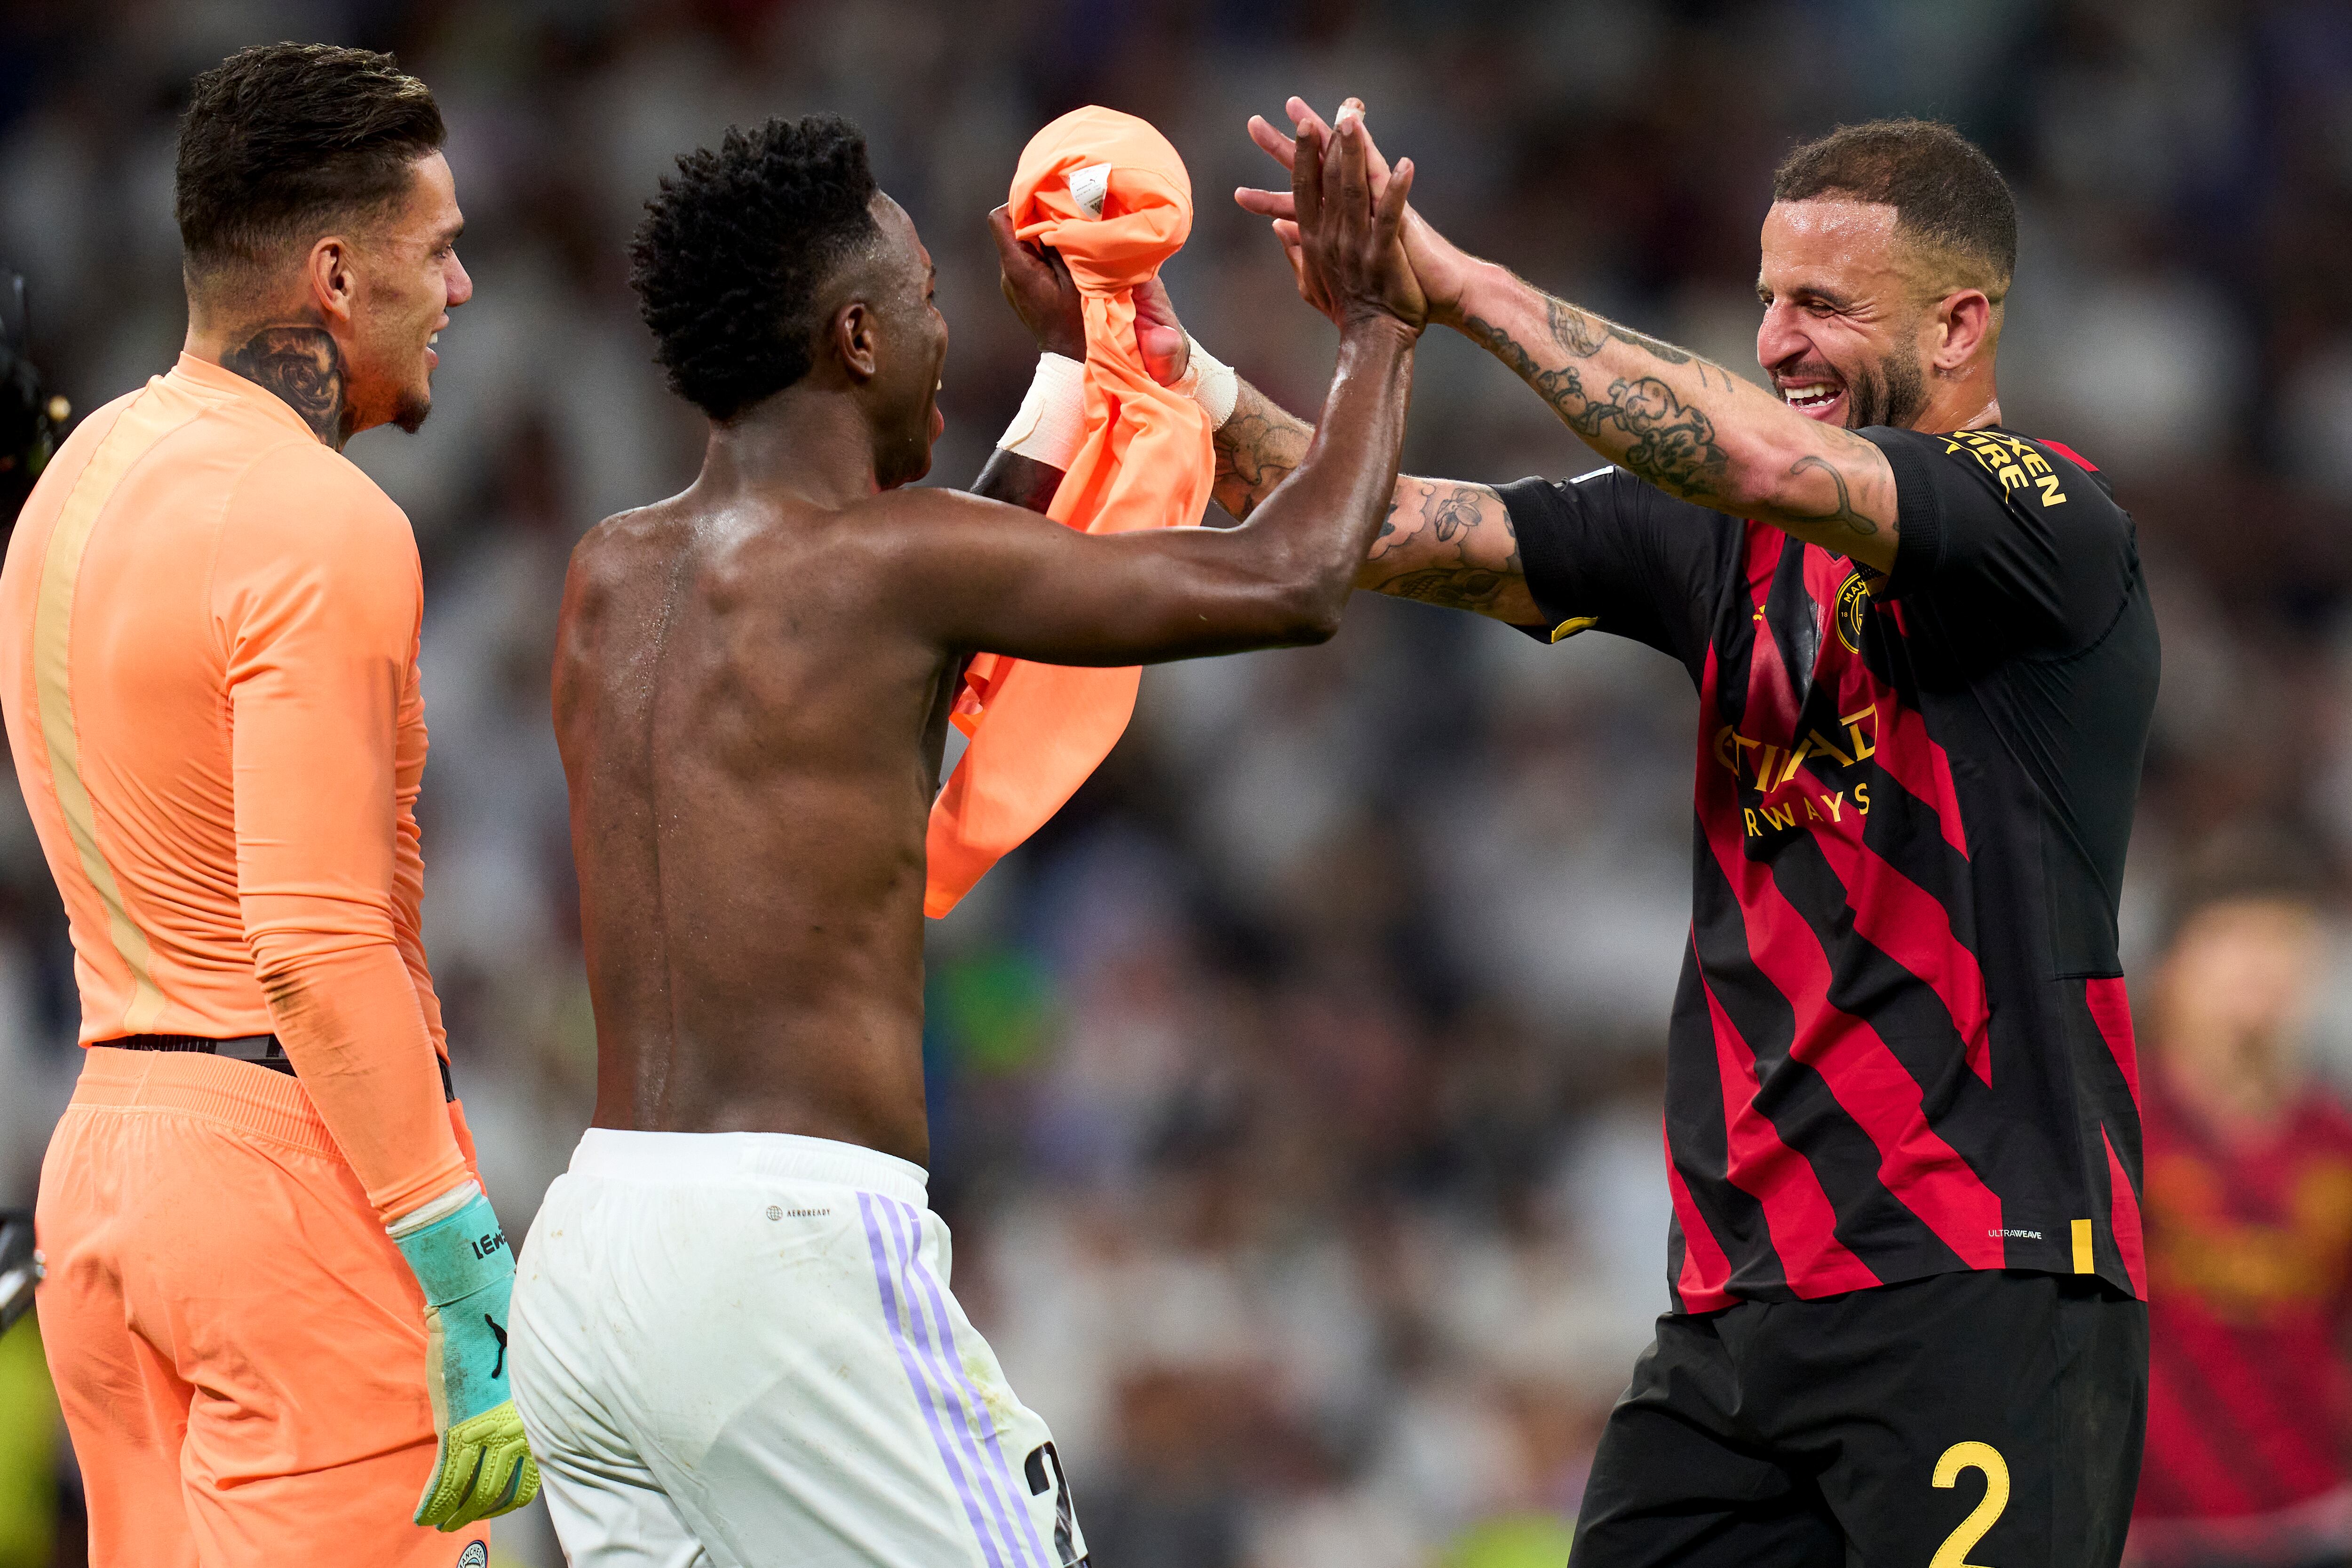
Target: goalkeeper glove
pixel 482 1466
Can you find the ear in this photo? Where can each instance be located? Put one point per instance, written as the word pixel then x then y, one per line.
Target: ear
pixel 331 280
pixel 857 338
pixel 1963 323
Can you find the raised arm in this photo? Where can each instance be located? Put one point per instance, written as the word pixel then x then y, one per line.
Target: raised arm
pixel 1686 425
pixel 1444 541
pixel 1682 423
pixel 1017 585
pixel 1044 295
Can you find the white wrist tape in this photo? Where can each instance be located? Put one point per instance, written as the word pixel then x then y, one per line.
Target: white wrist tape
pixel 1052 422
pixel 436 1210
pixel 1211 382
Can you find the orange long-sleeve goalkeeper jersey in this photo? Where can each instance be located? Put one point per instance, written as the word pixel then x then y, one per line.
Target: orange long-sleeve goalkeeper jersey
pixel 209 634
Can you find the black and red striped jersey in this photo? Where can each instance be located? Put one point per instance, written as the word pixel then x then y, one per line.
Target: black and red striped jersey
pixel 1901 1044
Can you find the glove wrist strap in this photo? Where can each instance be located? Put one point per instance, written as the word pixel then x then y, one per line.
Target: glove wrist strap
pixel 460 1254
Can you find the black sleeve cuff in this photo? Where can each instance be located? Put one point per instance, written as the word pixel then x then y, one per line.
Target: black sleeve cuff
pixel 1918 520
pixel 1544 556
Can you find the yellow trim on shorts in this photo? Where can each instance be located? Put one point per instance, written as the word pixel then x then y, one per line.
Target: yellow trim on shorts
pixel 130 440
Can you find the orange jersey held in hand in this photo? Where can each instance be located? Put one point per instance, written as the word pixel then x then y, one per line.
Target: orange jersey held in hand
pixel 1111 196
pixel 208 672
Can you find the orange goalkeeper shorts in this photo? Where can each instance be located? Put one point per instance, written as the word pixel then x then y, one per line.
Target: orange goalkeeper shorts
pixel 236 1343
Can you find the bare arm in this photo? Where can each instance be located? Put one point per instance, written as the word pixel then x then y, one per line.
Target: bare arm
pixel 1044 295
pixel 1014 584
pixel 1688 426
pixel 1017 481
pixel 1260 446
pixel 1442 541
pixel 1681 423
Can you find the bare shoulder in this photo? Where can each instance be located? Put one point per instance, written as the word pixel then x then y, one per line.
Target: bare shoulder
pixel 924 512
pixel 622 560
pixel 907 534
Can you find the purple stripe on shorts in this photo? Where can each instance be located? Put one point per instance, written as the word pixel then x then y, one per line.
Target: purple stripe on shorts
pixel 925 1396
pixel 937 1344
pixel 931 1286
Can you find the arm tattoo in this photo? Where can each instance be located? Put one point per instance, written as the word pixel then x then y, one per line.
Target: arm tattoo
pixel 1843 513
pixel 1257 448
pixel 1673 445
pixel 1445 544
pixel 305 369
pixel 1581 334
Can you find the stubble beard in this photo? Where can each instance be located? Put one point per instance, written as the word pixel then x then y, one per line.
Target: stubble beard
pixel 410 411
pixel 1894 392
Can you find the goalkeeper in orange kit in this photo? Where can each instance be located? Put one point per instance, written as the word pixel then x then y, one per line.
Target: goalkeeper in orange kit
pixel 276 1296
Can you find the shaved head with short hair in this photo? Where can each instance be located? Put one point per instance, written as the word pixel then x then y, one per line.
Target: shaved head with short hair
pixel 283 142
pixel 1948 199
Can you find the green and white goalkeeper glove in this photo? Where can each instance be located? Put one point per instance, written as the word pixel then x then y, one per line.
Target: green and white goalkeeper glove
pixel 483 1466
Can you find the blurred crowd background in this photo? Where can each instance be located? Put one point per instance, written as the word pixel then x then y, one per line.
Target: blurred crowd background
pixel 1296 1094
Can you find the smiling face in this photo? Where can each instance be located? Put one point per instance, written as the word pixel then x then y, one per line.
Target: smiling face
pixel 407 278
pixel 1849 313
pixel 911 349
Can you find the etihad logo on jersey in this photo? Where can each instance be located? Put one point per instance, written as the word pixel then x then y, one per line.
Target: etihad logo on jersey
pixel 1766 766
pixel 2014 462
pixel 1766 769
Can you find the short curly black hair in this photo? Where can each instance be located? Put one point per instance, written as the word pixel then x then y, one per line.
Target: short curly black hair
pixel 283 142
pixel 731 254
pixel 1944 191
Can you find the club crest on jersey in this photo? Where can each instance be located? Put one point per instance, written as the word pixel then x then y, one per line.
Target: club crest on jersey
pixel 476 1556
pixel 1853 604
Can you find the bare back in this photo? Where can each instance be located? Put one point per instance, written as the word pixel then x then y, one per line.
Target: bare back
pixel 752 682
pixel 752 749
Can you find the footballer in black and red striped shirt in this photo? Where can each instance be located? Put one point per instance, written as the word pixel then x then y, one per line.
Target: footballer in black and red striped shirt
pixel 1901 1106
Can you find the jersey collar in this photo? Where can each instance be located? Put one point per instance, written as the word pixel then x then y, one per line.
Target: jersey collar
pixel 220 379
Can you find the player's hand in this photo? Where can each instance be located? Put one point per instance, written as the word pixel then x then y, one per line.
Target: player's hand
pixel 1352 264
pixel 481 1464
pixel 1442 267
pixel 1040 290
pixel 1041 293
pixel 1160 338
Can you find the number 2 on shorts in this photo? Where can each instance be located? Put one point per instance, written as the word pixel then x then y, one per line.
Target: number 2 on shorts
pixel 1954 1553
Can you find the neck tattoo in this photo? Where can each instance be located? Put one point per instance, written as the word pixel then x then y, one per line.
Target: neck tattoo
pixel 305 369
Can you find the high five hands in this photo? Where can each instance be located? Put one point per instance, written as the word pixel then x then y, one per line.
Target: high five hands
pixel 1441 269
pixel 1348 253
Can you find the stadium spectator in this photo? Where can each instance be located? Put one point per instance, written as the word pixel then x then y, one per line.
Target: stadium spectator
pixel 2249 1216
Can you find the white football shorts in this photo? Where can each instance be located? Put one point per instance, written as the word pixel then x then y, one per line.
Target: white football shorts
pixel 737 1348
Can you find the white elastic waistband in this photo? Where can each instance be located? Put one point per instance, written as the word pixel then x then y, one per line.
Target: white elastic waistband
pixel 611 1154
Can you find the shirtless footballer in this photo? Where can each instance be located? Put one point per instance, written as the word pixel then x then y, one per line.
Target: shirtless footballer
pixel 734 1340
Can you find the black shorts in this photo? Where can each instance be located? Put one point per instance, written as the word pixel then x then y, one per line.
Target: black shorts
pixel 1966 1419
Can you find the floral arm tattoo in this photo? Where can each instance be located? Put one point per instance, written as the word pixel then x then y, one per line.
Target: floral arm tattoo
pixel 1257 448
pixel 1444 542
pixel 1451 544
pixel 1689 426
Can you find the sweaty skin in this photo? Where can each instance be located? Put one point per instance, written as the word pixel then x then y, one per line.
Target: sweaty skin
pixel 752 683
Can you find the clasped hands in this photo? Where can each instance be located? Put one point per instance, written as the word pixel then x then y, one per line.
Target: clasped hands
pixel 1442 269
